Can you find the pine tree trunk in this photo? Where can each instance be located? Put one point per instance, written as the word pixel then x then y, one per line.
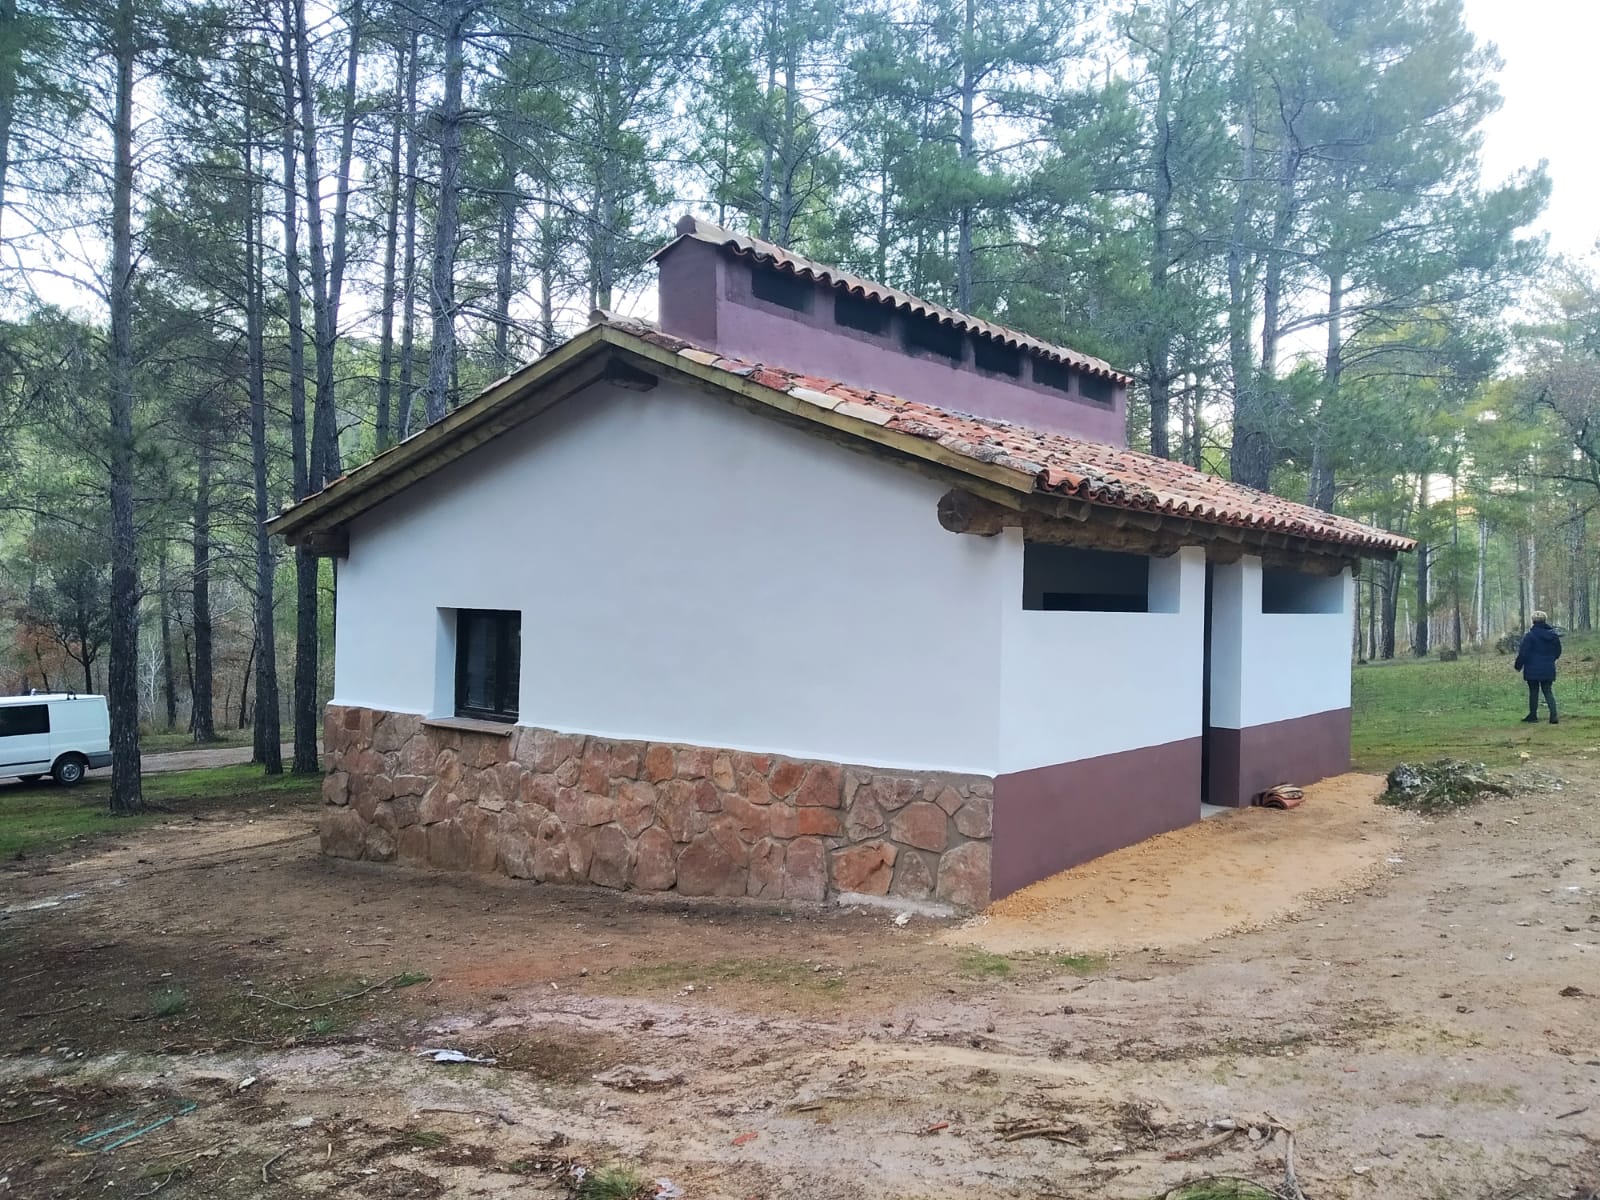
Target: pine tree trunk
pixel 1391 602
pixel 408 282
pixel 969 150
pixel 547 280
pixel 1249 457
pixel 325 280
pixel 446 229
pixel 769 150
pixel 267 736
pixel 391 240
pixel 122 699
pixel 788 154
pixel 244 684
pixel 307 634
pixel 169 680
pixel 1158 362
pixel 1320 487
pixel 1372 611
pixel 1419 642
pixel 8 97
pixel 510 205
pixel 202 714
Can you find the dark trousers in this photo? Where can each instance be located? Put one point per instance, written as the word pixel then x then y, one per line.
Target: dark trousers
pixel 1534 686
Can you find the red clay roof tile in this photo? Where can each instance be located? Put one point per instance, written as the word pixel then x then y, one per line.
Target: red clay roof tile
pixel 1065 466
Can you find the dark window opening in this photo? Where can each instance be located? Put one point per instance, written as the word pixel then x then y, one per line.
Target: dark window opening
pixel 488 663
pixel 934 336
pixel 995 356
pixel 784 290
pixel 1052 375
pixel 19 720
pixel 857 312
pixel 1285 591
pixel 1093 602
pixel 1067 579
pixel 1096 388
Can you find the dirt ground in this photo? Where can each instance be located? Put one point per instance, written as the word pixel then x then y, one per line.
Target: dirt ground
pixel 249 1014
pixel 1144 897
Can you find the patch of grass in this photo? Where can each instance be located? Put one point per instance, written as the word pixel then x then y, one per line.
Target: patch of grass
pixel 1418 710
pixel 611 1183
pixel 1219 1189
pixel 423 1139
pixel 166 741
pixel 410 979
pixel 981 964
pixel 38 817
pixel 228 786
pixel 169 1002
pixel 1081 964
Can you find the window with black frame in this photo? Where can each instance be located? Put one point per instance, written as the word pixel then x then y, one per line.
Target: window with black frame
pixel 488 663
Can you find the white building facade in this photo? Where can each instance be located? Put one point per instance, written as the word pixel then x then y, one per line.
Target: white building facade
pixel 647 616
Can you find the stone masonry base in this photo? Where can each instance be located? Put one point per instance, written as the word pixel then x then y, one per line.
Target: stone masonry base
pixel 563 808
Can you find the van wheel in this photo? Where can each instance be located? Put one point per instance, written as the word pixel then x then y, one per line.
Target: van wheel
pixel 69 770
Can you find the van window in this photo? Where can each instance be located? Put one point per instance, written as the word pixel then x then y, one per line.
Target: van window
pixel 19 719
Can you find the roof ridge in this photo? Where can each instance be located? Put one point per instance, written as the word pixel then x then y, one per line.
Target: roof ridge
pixel 691 226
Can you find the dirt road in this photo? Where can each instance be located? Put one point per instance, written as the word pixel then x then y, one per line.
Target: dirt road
pixel 191 760
pixel 1433 1034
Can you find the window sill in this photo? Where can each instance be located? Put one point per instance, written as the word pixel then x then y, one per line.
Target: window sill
pixel 471 725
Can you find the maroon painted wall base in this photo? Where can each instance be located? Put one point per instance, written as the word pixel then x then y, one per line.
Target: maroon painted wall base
pixel 1302 750
pixel 1052 818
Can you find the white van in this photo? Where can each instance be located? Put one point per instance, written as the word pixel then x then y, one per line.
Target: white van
pixel 61 735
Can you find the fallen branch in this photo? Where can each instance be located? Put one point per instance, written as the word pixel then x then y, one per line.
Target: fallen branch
pixel 265 1178
pixel 1291 1184
pixel 1573 1113
pixel 1053 1133
pixel 387 983
pixel 1203 1148
pixel 29 1117
pixel 50 1012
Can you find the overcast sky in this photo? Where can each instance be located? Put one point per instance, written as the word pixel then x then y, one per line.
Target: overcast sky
pixel 1550 85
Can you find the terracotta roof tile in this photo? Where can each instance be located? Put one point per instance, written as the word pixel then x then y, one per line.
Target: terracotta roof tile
pixel 1062 466
pixel 787 260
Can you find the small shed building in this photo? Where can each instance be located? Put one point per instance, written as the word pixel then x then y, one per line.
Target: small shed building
pixel 812 588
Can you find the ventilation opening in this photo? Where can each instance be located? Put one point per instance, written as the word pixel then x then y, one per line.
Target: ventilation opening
pixel 1067 579
pixel 856 312
pixel 1093 387
pixel 995 356
pixel 1052 375
pixel 786 291
pixel 1284 591
pixel 932 335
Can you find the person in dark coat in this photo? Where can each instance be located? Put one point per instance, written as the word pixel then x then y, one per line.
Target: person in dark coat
pixel 1536 659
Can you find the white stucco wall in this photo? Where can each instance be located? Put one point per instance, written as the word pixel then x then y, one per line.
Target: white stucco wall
pixel 1269 667
pixel 688 571
pixel 1076 685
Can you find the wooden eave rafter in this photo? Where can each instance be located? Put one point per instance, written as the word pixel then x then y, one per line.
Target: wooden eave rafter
pixel 1100 527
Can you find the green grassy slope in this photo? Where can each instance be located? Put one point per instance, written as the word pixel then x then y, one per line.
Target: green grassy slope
pixel 1415 710
pixel 42 816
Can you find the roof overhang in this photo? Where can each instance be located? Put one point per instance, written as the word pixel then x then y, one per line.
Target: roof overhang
pixel 989 491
